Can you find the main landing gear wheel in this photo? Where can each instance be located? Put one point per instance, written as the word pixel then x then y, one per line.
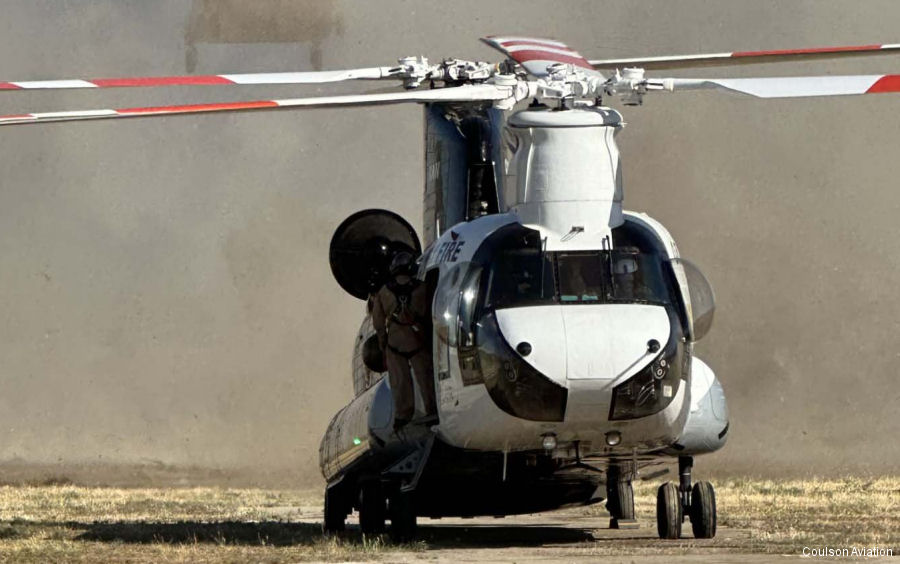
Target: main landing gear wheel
pixel 335 511
pixel 703 510
pixel 372 508
pixel 403 517
pixel 668 511
pixel 620 501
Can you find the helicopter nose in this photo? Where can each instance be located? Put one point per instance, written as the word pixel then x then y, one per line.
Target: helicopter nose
pixel 586 342
pixel 606 342
pixel 538 335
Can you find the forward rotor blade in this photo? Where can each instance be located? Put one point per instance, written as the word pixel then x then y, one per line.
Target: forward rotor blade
pixel 790 87
pixel 745 57
pixel 465 93
pixel 535 54
pixel 312 77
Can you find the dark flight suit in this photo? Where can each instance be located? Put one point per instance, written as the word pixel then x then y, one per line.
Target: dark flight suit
pixel 402 336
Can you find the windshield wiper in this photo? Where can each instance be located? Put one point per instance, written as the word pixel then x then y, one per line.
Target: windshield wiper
pixel 543 266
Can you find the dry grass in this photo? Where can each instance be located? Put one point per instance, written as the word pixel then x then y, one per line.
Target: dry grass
pixel 70 523
pixel 783 516
pixel 852 511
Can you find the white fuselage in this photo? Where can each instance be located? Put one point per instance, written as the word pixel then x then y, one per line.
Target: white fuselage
pixel 561 317
pixel 587 349
pixel 562 178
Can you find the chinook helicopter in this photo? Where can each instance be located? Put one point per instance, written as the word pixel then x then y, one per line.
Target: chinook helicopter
pixel 562 327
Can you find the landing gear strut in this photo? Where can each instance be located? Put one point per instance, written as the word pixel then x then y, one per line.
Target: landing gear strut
pixel 685 465
pixel 697 502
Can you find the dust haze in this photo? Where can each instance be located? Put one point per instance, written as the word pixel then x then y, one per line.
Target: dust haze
pixel 261 21
pixel 165 296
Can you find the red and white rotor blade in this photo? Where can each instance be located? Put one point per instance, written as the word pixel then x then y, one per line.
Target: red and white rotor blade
pixel 745 57
pixel 311 77
pixel 790 86
pixel 535 54
pixel 465 93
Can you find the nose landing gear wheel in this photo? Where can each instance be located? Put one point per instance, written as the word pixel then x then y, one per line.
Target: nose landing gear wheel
pixel 703 510
pixel 668 511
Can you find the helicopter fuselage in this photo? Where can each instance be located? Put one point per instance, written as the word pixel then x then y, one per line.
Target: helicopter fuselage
pixel 541 358
pixel 562 331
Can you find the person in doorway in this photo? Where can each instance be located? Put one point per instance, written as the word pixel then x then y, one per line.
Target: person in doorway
pixel 400 317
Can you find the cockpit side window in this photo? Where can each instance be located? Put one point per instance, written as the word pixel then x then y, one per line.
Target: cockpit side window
pixel 445 305
pixel 637 277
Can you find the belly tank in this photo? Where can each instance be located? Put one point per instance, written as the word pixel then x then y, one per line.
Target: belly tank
pixel 360 430
pixel 360 437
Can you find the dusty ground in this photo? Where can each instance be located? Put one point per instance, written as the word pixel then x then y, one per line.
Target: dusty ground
pixel 759 521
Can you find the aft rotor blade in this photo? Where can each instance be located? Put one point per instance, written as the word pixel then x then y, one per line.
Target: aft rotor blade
pixel 311 77
pixel 789 87
pixel 745 57
pixel 465 93
pixel 535 54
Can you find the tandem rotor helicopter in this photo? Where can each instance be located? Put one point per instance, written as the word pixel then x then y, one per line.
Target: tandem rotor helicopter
pixel 560 327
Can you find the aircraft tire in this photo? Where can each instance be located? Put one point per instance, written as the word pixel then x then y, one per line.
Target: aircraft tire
pixel 372 508
pixel 668 511
pixel 703 510
pixel 335 513
pixel 403 517
pixel 620 499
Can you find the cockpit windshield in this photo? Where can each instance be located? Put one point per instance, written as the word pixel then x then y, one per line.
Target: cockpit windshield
pixel 520 277
pixel 580 277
